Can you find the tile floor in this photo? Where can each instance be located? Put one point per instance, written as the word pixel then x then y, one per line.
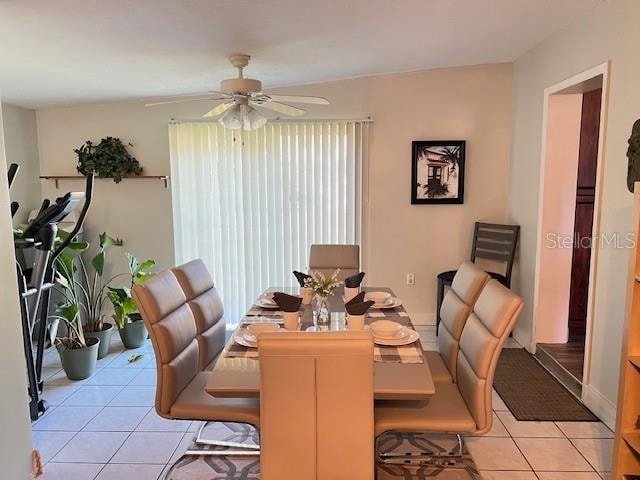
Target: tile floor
pixel 104 428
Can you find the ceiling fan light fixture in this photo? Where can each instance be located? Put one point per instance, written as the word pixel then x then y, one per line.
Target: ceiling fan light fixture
pixel 232 118
pixel 252 120
pixel 242 116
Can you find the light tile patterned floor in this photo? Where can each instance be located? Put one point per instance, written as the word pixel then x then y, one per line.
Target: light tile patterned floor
pixel 104 428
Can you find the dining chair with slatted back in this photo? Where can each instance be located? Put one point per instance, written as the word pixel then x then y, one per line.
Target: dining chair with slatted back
pixel 327 258
pixel 456 308
pixel 205 303
pixel 491 241
pixel 180 387
pixel 316 405
pixel 463 407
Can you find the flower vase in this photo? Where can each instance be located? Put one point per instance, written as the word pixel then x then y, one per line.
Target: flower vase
pixel 321 313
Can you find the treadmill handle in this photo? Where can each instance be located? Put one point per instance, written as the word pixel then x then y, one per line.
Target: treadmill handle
pixel 88 194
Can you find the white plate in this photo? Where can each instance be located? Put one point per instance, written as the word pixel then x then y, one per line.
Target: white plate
pixel 393 302
pixel 241 339
pixel 266 302
pixel 409 336
pixel 251 337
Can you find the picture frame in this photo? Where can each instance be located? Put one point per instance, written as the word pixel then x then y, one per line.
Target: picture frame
pixel 437 172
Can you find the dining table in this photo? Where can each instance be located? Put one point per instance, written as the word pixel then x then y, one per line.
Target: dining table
pixel 400 372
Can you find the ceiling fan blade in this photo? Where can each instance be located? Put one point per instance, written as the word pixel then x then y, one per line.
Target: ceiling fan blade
pixel 223 107
pixel 282 108
pixel 299 99
pixel 180 100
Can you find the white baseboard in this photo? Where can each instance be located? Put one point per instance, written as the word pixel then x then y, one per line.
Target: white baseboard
pixel 599 405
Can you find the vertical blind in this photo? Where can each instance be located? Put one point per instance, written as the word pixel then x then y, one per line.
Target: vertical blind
pixel 251 203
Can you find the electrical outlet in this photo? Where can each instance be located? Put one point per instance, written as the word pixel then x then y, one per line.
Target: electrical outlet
pixel 411 278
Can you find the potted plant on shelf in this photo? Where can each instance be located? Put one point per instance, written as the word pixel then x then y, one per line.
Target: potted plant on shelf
pixel 107 159
pixel 128 320
pixel 89 292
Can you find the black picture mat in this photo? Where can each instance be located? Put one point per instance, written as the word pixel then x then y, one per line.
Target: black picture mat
pixel 416 146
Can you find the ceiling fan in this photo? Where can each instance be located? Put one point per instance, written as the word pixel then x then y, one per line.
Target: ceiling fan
pixel 239 98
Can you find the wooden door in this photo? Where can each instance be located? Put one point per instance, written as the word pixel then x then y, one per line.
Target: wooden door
pixel 585 196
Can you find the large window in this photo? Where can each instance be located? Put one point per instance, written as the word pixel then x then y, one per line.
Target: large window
pixel 251 203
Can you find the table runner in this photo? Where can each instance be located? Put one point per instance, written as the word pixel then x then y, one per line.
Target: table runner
pixel 411 353
pixel 257 311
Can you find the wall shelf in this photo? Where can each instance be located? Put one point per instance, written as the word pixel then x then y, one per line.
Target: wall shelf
pixel 57 178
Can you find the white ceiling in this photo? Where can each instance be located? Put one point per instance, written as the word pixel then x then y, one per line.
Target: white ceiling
pixel 65 52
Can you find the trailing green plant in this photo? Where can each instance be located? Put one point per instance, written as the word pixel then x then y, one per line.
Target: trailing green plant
pixel 83 298
pixel 107 159
pixel 123 304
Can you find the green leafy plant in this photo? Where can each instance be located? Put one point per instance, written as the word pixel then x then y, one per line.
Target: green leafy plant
pixel 107 159
pixel 123 304
pixel 83 298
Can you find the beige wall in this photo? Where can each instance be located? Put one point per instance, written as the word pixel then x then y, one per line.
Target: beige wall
pixel 470 103
pixel 21 145
pixel 15 434
pixel 610 33
pixel 558 217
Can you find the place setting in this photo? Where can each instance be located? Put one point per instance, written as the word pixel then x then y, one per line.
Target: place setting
pixel 392 334
pixel 247 334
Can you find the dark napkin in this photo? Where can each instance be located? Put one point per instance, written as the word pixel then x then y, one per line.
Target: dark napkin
pixel 288 303
pixel 359 298
pixel 301 277
pixel 357 305
pixel 358 308
pixel 354 281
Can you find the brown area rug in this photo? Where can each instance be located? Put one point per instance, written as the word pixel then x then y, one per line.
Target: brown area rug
pixel 248 468
pixel 532 393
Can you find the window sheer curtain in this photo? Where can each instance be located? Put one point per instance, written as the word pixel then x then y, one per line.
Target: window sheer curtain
pixel 251 203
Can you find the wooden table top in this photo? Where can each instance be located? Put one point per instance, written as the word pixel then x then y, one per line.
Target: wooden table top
pixel 240 377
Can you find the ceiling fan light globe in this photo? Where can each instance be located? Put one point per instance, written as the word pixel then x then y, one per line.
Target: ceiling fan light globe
pixel 252 120
pixel 232 118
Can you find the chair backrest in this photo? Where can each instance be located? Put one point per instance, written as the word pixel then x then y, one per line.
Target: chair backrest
pixel 488 326
pixel 206 305
pixel 172 328
pixel 328 258
pixel 316 405
pixel 456 307
pixel 496 242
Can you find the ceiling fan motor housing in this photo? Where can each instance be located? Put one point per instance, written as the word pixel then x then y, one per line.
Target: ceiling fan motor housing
pixel 240 85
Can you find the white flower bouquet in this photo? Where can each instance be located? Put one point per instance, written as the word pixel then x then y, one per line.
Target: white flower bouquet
pixel 321 284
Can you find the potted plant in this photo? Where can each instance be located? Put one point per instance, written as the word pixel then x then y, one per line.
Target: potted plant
pixel 322 287
pixel 128 320
pixel 78 354
pixel 107 159
pixel 90 292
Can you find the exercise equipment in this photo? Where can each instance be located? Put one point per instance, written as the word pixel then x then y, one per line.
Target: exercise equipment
pixel 35 281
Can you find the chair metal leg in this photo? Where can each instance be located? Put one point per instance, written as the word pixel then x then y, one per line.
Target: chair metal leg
pixel 222 443
pixel 408 458
pixel 209 453
pixel 439 300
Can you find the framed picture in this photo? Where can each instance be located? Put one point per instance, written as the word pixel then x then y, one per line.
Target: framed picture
pixel 437 172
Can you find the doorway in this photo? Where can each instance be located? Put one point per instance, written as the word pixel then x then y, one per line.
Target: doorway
pixel 568 225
